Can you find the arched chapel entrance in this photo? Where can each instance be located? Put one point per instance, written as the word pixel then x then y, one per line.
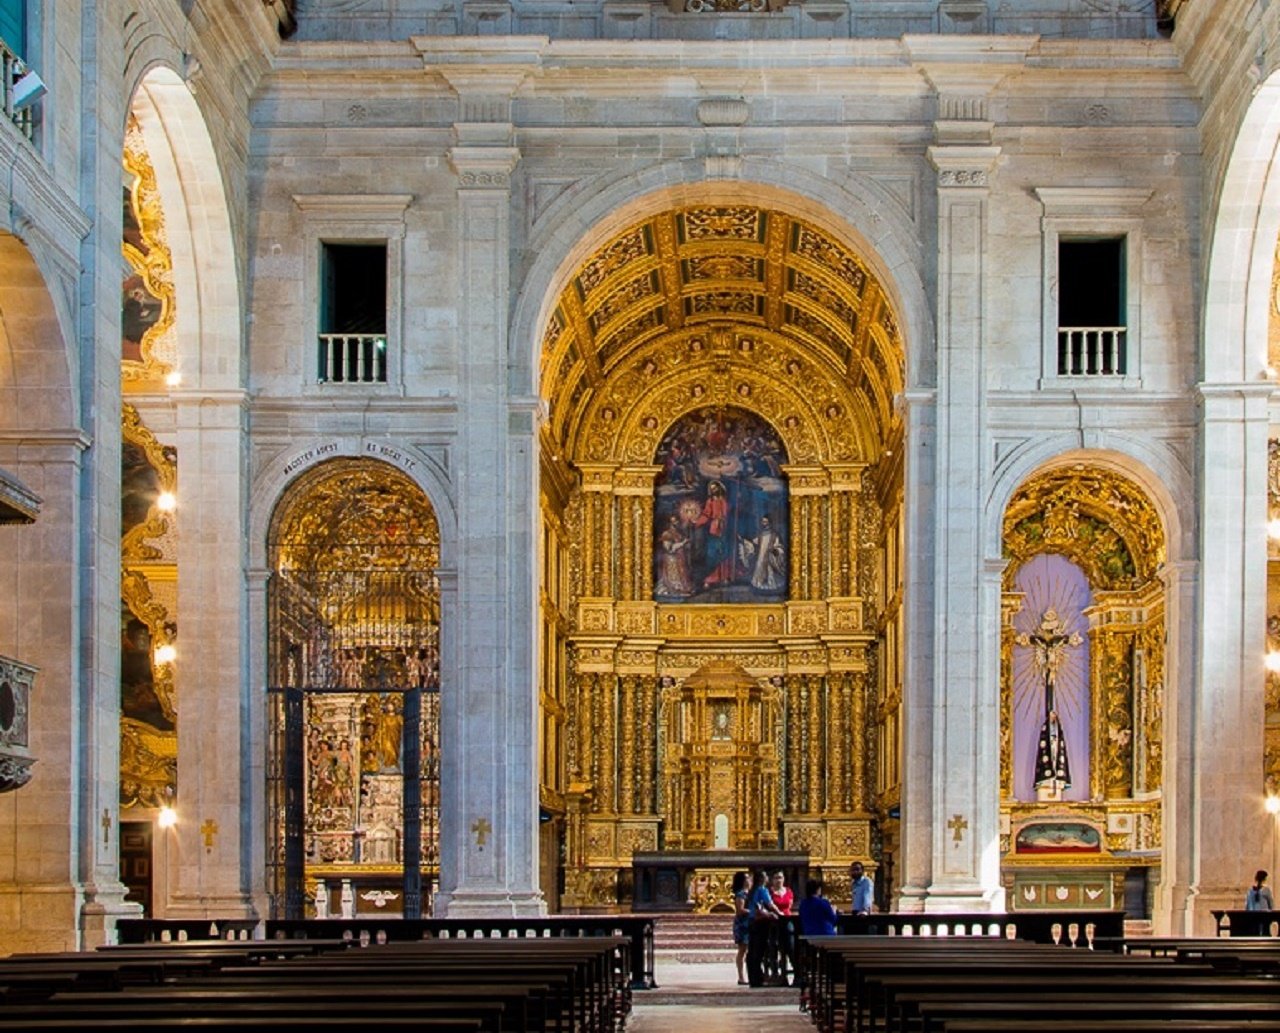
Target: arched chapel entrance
pixel 722 547
pixel 1082 690
pixel 354 676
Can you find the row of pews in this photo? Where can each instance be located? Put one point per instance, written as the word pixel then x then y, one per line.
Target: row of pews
pixel 895 984
pixel 560 985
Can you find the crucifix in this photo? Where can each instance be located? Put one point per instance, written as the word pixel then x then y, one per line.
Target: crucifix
pixel 106 826
pixel 208 830
pixel 481 828
pixel 1050 642
pixel 957 825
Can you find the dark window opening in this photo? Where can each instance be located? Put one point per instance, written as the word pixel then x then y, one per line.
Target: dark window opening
pixel 353 313
pixel 1092 335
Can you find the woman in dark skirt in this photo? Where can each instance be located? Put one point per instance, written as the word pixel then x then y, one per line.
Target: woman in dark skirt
pixel 741 923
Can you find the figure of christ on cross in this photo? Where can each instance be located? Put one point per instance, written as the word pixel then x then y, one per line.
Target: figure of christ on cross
pixel 1050 642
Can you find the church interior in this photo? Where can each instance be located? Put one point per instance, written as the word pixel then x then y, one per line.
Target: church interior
pixel 518 457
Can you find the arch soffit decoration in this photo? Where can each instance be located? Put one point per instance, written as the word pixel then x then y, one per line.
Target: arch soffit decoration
pixel 189 180
pixel 1156 472
pixel 714 304
pixel 354 514
pixel 1239 282
pixel 871 224
pixel 274 482
pixel 1096 516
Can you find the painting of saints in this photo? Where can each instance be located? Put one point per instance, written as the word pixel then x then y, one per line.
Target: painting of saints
pixel 764 556
pixel 673 561
pixel 720 509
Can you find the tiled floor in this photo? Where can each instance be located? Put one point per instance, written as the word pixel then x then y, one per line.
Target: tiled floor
pixel 707 999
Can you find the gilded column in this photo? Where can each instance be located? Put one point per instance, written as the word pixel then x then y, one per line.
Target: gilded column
pixel 817 550
pixel 1011 604
pixel 606 750
pixel 627 740
pixel 858 737
pixel 817 741
pixel 649 743
pixel 842 743
pixel 792 803
pixel 625 508
pixel 646 546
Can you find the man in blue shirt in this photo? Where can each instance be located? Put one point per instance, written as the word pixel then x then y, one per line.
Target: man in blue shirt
pixel 817 916
pixel 863 890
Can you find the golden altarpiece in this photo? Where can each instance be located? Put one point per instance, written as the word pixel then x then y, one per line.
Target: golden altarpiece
pixel 718 484
pixel 1081 690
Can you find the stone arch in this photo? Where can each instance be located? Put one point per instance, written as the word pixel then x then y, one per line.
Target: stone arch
pixel 580 220
pixel 35 367
pixel 189 178
pixel 354 606
pixel 1156 471
pixel 1242 251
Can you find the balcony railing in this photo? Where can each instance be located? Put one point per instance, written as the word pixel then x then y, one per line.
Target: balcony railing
pixel 353 358
pixel 12 68
pixel 1091 351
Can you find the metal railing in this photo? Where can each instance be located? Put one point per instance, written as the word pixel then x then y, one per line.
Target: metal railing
pixel 13 68
pixel 353 358
pixel 1092 351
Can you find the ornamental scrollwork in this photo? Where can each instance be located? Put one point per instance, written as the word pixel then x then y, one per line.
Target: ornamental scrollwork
pixel 149 348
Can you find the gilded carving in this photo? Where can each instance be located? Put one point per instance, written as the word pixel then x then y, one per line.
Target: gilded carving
pixel 150 470
pixel 1098 519
pixel 1109 529
pixel 149 344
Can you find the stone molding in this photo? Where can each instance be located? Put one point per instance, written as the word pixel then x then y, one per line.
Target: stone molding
pixel 484 167
pixel 969 166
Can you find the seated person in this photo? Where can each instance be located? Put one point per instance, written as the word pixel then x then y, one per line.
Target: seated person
pixel 817 916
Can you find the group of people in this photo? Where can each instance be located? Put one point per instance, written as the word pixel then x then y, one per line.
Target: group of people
pixel 761 932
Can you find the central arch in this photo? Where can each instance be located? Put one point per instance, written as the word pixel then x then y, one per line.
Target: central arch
pixel 720 381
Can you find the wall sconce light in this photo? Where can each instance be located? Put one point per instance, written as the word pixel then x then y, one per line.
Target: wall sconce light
pixel 166 654
pixel 1272 804
pixel 166 502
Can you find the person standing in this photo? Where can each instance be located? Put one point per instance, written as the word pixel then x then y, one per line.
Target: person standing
pixel 741 923
pixel 783 953
pixel 863 889
pixel 763 914
pixel 1259 896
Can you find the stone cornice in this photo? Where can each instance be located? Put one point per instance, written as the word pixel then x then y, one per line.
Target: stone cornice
pixel 346 207
pixel 71 437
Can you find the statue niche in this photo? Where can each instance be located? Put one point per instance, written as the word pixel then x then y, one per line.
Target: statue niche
pixel 720 510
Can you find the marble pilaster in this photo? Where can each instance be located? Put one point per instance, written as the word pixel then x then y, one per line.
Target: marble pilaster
pixel 964 818
pixel 489 842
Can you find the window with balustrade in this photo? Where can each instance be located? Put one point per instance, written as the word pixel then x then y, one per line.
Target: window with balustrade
pixel 1092 290
pixel 352 339
pixel 1092 329
pixel 353 278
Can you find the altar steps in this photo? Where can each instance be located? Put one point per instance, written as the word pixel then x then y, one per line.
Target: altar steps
pixel 694 965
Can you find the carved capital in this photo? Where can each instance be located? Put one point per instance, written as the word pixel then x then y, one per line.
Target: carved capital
pixel 484 167
pixel 964 167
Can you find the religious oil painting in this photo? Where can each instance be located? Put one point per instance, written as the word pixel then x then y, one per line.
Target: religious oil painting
pixel 720 510
pixel 1051 681
pixel 1057 837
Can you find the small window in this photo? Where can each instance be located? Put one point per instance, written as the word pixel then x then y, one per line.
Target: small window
pixel 13 26
pixel 1092 335
pixel 353 314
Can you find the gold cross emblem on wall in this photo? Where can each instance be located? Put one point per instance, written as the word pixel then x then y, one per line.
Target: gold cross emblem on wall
pixel 957 825
pixel 208 830
pixel 481 828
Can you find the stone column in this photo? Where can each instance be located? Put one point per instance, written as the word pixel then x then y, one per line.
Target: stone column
pixel 1229 831
pixel 215 822
pixel 966 717
pixel 489 842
